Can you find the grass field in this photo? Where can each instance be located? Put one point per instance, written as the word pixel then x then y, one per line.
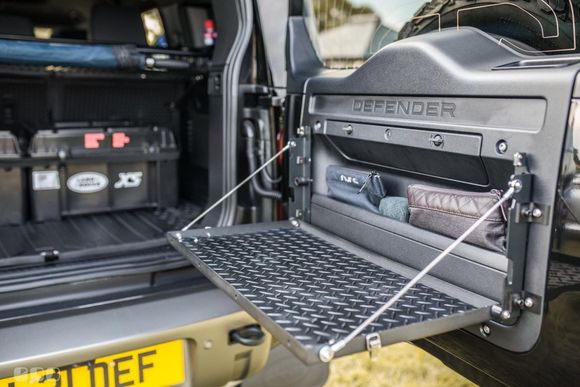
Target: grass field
pixel 396 366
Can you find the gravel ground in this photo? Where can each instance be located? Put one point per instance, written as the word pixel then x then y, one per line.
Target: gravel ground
pixel 396 366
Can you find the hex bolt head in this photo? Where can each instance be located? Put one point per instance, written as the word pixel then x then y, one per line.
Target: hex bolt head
pixel 537 213
pixel 529 302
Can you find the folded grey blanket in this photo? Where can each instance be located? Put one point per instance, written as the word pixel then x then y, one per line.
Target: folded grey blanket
pixel 395 207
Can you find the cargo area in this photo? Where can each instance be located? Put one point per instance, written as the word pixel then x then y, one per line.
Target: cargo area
pixel 103 138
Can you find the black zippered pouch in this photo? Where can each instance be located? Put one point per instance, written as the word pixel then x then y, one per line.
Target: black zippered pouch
pixel 362 189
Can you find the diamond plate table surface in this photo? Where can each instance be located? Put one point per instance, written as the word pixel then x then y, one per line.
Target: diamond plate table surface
pixel 314 290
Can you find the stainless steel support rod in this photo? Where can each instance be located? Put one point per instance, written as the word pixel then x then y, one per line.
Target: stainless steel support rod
pixel 291 144
pixel 327 352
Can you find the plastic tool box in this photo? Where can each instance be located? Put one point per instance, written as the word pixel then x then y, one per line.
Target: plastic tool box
pixel 11 181
pixel 90 170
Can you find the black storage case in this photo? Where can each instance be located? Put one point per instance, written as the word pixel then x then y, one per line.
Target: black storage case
pixel 11 181
pixel 89 170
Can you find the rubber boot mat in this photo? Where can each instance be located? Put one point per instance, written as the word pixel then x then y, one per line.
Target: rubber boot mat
pixel 309 288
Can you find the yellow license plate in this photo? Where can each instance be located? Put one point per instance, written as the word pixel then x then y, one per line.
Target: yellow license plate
pixel 154 366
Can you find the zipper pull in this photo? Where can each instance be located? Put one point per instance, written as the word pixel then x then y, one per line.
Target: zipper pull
pixel 368 178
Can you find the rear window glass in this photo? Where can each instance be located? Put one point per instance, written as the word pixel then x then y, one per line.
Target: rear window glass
pixel 347 32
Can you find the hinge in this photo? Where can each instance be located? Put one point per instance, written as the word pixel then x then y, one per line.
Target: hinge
pixel 299 170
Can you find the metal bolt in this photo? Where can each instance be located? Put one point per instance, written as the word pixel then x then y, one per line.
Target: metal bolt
pixel 317 126
pixel 537 213
pixel 516 185
pixel 502 146
pixel 505 315
pixel 529 302
pixel 518 160
pixel 208 344
pixel 301 131
pixel 326 354
pixel 292 144
pixel 348 129
pixel 179 236
pixel 388 134
pixel 295 222
pixel 436 140
pixel 485 330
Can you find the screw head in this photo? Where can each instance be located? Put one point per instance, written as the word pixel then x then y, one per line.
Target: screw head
pixel 537 213
pixel 388 134
pixel 295 223
pixel 326 354
pixel 529 302
pixel 317 126
pixel 502 147
pixel 485 330
pixel 208 344
pixel 505 315
pixel 518 160
pixel 348 129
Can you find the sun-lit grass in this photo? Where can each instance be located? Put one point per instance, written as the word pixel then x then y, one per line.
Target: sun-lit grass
pixel 399 365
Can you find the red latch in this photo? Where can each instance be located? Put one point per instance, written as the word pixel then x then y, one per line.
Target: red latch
pixel 92 140
pixel 120 139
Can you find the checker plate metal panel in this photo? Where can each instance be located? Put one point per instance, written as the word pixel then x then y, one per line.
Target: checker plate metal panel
pixel 315 291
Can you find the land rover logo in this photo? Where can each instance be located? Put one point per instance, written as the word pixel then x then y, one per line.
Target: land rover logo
pixel 87 182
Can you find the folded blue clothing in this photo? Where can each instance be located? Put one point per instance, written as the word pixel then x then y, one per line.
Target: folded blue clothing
pixel 395 207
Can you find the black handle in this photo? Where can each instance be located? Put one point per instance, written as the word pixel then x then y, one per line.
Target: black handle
pixel 249 336
pixel 171 64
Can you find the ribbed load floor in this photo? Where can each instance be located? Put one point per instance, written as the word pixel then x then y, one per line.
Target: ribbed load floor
pixel 308 291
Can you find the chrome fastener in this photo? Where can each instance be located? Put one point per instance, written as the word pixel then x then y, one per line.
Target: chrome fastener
pixel 529 302
pixel 348 129
pixel 505 315
pixel 516 185
pixel 485 330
